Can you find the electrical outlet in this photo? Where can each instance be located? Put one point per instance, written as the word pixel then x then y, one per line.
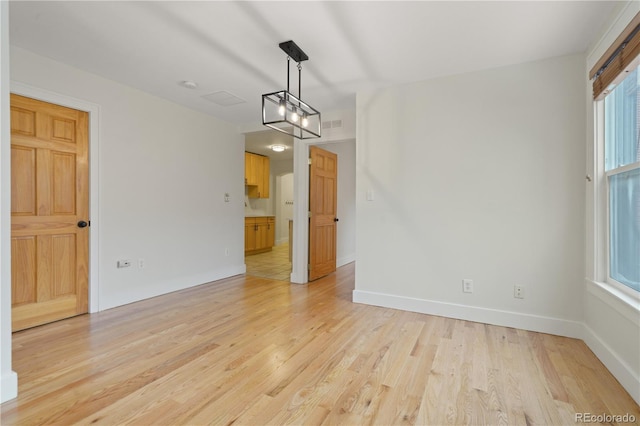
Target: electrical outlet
pixel 125 263
pixel 518 291
pixel 141 263
pixel 467 286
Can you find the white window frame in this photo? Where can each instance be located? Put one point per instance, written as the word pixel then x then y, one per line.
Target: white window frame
pixel 611 281
pixel 603 207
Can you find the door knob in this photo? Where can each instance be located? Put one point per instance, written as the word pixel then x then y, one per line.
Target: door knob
pixel 82 224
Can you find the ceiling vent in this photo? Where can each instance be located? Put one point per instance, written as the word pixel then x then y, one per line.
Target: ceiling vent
pixel 331 124
pixel 224 98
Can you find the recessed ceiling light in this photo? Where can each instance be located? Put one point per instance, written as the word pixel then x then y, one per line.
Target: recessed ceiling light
pixel 278 148
pixel 189 84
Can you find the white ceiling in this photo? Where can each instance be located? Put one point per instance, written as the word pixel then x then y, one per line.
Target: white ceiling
pixel 233 46
pixel 261 143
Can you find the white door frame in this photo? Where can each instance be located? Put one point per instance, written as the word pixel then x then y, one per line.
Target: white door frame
pixel 94 136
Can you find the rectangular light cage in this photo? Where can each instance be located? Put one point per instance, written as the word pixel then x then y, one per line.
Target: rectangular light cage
pixel 285 113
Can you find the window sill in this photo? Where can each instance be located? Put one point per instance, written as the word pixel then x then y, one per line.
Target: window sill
pixel 621 302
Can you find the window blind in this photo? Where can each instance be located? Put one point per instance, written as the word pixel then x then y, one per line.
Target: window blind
pixel 621 57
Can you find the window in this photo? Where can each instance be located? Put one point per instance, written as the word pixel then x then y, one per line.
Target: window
pixel 622 173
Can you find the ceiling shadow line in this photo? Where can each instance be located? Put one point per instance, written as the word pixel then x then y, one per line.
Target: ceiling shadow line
pixel 173 20
pixel 351 39
pixel 272 32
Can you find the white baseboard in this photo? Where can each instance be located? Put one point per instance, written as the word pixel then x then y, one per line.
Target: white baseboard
pixel 557 326
pixel 345 260
pixel 297 279
pixel 176 284
pixel 8 386
pixel 616 365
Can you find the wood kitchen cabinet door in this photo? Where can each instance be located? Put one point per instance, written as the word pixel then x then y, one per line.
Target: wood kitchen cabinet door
pixel 265 177
pixel 257 175
pixel 249 234
pixel 271 232
pixel 247 169
pixel 259 234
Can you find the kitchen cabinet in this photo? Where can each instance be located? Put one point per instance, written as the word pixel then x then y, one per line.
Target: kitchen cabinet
pixel 256 175
pixel 259 234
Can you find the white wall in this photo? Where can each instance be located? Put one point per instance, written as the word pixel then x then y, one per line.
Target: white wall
pixel 8 378
pixel 346 199
pixel 475 176
pixel 284 208
pixel 163 172
pixel 612 321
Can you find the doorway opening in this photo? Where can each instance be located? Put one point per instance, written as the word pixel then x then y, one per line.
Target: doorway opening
pixel 268 204
pixel 299 237
pixel 276 263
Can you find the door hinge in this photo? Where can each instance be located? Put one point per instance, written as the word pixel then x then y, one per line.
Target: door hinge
pixel 309 214
pixel 309 161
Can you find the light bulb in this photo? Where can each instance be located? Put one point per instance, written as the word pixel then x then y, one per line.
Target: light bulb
pixel 295 116
pixel 281 109
pixel 305 120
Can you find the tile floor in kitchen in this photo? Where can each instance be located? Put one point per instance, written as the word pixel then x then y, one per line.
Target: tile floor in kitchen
pixel 272 264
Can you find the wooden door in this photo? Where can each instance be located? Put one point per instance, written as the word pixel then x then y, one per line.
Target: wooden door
pixel 323 185
pixel 49 203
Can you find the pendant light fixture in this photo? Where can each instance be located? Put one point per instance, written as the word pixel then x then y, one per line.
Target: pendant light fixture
pixel 286 113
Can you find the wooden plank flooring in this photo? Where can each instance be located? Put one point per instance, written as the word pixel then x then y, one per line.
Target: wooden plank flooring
pixel 253 351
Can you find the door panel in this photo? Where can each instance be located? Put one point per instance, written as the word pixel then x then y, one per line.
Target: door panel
pixel 64 176
pixel 49 182
pixel 23 181
pixel 23 270
pixel 323 180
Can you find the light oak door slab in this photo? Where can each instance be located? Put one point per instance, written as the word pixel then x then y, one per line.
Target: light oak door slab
pixel 49 197
pixel 323 186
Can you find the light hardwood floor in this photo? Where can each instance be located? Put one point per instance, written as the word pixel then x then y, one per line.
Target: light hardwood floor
pixel 248 350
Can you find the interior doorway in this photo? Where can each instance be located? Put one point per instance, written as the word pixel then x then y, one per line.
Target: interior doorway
pixel 268 216
pixel 94 177
pixel 345 238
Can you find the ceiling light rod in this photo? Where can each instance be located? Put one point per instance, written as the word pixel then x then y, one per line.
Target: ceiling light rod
pixel 287 113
